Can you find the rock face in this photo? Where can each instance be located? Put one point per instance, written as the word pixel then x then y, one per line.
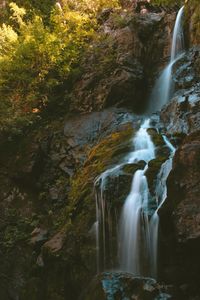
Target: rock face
pixel 47 203
pixel 180 214
pixel 118 68
pixel 182 114
pixel 186 180
pixel 192 14
pixel 180 232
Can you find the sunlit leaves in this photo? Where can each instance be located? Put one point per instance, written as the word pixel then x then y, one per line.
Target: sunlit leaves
pixel 8 39
pixel 35 58
pixel 91 6
pixel 17 13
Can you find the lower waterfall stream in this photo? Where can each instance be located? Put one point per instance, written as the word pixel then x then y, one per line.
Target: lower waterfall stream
pixel 137 228
pixel 134 238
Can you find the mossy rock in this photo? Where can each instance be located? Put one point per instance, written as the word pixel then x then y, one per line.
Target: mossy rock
pixel 156 137
pixel 153 169
pixel 132 168
pixel 121 285
pixel 104 155
pixel 80 246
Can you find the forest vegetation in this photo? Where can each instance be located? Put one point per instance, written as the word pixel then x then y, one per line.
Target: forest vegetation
pixel 41 45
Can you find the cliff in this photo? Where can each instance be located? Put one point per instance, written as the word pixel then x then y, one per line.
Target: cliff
pixel 47 202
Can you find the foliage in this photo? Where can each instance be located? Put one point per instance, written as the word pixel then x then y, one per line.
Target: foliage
pixel 37 57
pixel 107 152
pixel 42 8
pixel 34 58
pixel 91 6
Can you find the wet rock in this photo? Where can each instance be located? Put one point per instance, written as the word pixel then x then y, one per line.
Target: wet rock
pixel 186 69
pixel 132 168
pixel 183 184
pixel 82 132
pixel 180 215
pixel 38 235
pixel 153 169
pixel 118 285
pixel 182 114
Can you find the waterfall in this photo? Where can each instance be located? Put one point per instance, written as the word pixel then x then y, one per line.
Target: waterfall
pixel 134 238
pixel 138 229
pixel 163 88
pixel 103 217
pixel 138 226
pixel 161 195
pixel 143 150
pixel 178 36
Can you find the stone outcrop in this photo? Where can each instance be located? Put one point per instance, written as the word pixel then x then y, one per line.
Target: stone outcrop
pixel 47 204
pixel 180 216
pixel 119 67
pixel 182 114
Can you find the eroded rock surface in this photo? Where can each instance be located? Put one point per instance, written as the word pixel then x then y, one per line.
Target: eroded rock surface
pixel 118 68
pixel 182 114
pixel 180 216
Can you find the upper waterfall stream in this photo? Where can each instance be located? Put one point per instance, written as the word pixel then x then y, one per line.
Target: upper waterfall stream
pixel 163 88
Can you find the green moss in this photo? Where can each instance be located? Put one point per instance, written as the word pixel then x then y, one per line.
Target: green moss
pixel 153 169
pixel 108 152
pixel 156 137
pixel 119 21
pixel 132 168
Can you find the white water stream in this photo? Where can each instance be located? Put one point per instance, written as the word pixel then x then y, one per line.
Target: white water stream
pixel 134 236
pixel 161 195
pixel 138 228
pixel 163 88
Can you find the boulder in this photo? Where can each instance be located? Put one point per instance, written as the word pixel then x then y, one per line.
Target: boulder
pixel 119 285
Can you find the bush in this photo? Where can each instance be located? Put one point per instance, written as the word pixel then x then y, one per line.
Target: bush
pixel 36 57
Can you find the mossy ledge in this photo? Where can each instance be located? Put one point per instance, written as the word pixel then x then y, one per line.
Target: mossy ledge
pixel 104 155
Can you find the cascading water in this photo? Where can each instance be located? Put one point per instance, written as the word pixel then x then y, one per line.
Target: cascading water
pixel 178 36
pixel 103 220
pixel 143 150
pixel 163 88
pixel 161 195
pixel 138 230
pixel 134 239
pixel 138 227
